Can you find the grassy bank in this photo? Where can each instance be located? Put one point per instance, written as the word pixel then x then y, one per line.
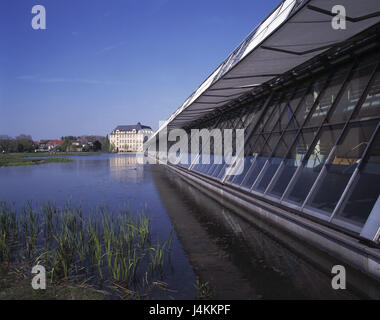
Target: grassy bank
pixel 15 285
pixel 25 159
pixel 112 252
pixel 19 159
pixel 57 154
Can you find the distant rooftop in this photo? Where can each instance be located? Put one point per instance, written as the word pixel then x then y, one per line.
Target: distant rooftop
pixel 136 127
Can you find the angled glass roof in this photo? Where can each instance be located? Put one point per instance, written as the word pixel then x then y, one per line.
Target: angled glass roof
pixel 294 32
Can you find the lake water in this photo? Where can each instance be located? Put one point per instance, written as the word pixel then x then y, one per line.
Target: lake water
pixel 248 264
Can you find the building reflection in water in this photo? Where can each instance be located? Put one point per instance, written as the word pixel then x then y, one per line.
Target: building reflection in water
pixel 127 167
pixel 244 260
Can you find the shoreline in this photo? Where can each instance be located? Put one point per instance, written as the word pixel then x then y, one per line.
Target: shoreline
pixel 26 159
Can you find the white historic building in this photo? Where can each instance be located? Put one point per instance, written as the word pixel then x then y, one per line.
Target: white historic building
pixel 130 138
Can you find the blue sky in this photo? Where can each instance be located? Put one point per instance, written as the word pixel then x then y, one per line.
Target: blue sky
pixel 102 63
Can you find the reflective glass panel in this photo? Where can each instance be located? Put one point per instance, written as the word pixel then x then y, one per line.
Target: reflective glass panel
pixel 328 96
pixel 289 109
pixel 371 105
pixel 365 190
pixel 254 171
pixel 271 124
pixel 253 113
pixel 273 163
pixel 352 93
pixel 308 102
pixel 267 114
pixel 313 164
pixel 251 174
pixel 341 166
pixel 237 179
pixel 293 160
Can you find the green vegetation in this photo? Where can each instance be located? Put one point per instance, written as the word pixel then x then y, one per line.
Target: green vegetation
pixel 106 147
pixel 111 251
pixel 25 143
pixel 205 290
pixel 58 154
pixel 15 285
pixel 67 141
pixel 21 159
pixel 74 144
pixel 22 143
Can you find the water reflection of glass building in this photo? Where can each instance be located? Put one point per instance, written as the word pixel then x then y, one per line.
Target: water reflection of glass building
pixel 308 97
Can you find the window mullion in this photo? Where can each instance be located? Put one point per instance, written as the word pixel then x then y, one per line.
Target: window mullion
pixel 356 172
pixel 336 100
pixel 248 136
pixel 295 175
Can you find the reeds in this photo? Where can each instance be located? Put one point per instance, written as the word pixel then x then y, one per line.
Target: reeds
pixel 101 245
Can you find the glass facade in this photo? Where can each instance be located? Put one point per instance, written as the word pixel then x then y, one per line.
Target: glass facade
pixel 313 145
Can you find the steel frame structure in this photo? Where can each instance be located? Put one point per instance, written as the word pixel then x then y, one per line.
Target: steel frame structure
pixel 290 118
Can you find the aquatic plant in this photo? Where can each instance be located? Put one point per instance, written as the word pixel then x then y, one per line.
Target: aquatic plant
pixel 103 246
pixel 205 290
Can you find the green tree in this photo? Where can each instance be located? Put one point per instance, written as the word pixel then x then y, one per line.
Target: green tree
pixel 65 146
pixel 7 144
pixel 106 145
pixel 24 143
pixel 97 146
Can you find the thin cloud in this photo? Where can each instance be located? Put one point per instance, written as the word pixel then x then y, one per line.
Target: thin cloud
pixel 111 47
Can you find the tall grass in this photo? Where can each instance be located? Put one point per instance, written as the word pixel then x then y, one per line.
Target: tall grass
pixel 102 246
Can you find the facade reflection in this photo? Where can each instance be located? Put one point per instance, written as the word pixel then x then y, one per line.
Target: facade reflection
pixel 127 168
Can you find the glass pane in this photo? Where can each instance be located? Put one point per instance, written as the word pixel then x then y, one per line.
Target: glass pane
pixel 327 98
pixel 267 176
pixel 270 145
pixel 226 167
pixel 218 159
pixel 338 172
pixel 293 160
pixel 274 163
pixel 352 93
pixel 313 165
pixel 223 171
pixel 267 149
pixel 236 118
pixel 285 143
pixel 252 150
pixel 256 148
pixel 290 108
pixel 272 124
pixel 254 171
pixel 371 105
pixel 206 167
pixel 218 169
pixel 308 102
pixel 186 160
pixel 197 166
pixel 365 190
pixel 268 113
pixel 237 179
pixel 254 112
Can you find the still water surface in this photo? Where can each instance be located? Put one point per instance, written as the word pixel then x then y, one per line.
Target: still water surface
pixel 248 264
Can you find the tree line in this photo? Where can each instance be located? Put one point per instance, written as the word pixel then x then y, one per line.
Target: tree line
pixel 24 143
